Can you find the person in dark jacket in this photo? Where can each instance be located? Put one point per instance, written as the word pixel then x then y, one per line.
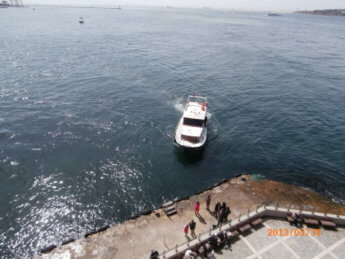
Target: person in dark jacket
pixel 154 254
pixel 192 226
pixel 208 202
pixel 226 214
pixel 217 208
pixel 220 218
pixel 223 206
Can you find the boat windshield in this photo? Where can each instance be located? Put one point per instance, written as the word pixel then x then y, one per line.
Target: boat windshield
pixel 193 122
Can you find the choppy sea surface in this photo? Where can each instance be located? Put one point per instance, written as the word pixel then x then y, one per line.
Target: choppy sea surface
pixel 88 112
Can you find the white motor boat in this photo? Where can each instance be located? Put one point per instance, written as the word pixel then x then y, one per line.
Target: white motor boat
pixel 191 131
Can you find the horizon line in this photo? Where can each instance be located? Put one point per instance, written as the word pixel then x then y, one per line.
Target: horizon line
pixel 174 7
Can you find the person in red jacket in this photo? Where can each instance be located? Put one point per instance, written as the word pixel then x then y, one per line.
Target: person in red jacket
pixel 185 230
pixel 197 208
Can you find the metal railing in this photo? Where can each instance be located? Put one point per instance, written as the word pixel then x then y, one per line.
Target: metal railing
pixel 270 210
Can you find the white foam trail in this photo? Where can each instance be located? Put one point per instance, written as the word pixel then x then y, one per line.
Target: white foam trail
pixel 14 163
pixel 179 105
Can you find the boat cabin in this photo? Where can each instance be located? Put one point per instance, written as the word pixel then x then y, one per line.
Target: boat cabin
pixel 194 121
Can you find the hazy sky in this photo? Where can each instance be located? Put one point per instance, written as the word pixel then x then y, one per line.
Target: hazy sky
pixel 236 4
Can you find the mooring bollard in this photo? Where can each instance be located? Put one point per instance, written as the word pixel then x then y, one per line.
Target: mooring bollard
pixel 176 248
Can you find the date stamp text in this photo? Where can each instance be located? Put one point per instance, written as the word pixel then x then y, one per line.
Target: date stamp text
pixel 284 232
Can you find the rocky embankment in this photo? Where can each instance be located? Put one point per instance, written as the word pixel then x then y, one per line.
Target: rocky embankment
pixel 330 12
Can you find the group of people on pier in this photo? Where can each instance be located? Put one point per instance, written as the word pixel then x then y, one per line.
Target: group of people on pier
pixel 221 212
pixel 216 242
pixel 206 250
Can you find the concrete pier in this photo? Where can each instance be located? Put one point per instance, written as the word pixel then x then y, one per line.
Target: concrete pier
pixel 136 238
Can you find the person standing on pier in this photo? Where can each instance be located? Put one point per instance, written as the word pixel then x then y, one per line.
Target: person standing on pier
pixel 227 213
pixel 217 209
pixel 192 226
pixel 154 254
pixel 185 230
pixel 220 217
pixel 197 208
pixel 208 202
pixel 223 206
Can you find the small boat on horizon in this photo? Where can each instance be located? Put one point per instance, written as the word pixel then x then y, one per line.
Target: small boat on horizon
pixel 191 131
pixel 81 20
pixel 274 14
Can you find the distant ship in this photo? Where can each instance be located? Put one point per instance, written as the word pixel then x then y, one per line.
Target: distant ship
pixel 273 14
pixel 81 20
pixel 4 4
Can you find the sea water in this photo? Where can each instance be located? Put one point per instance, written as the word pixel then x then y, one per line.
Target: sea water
pixel 88 112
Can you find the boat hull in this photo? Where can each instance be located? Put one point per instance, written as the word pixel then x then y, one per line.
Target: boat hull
pixel 190 150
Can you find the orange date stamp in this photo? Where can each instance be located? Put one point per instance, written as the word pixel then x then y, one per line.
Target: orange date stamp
pixel 284 232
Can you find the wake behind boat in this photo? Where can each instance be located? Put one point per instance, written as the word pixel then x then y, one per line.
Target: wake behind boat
pixel 191 131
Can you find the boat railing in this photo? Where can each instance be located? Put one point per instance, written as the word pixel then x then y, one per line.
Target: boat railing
pixel 203 107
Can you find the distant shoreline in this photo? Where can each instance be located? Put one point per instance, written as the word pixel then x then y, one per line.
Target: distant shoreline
pixel 72 6
pixel 328 12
